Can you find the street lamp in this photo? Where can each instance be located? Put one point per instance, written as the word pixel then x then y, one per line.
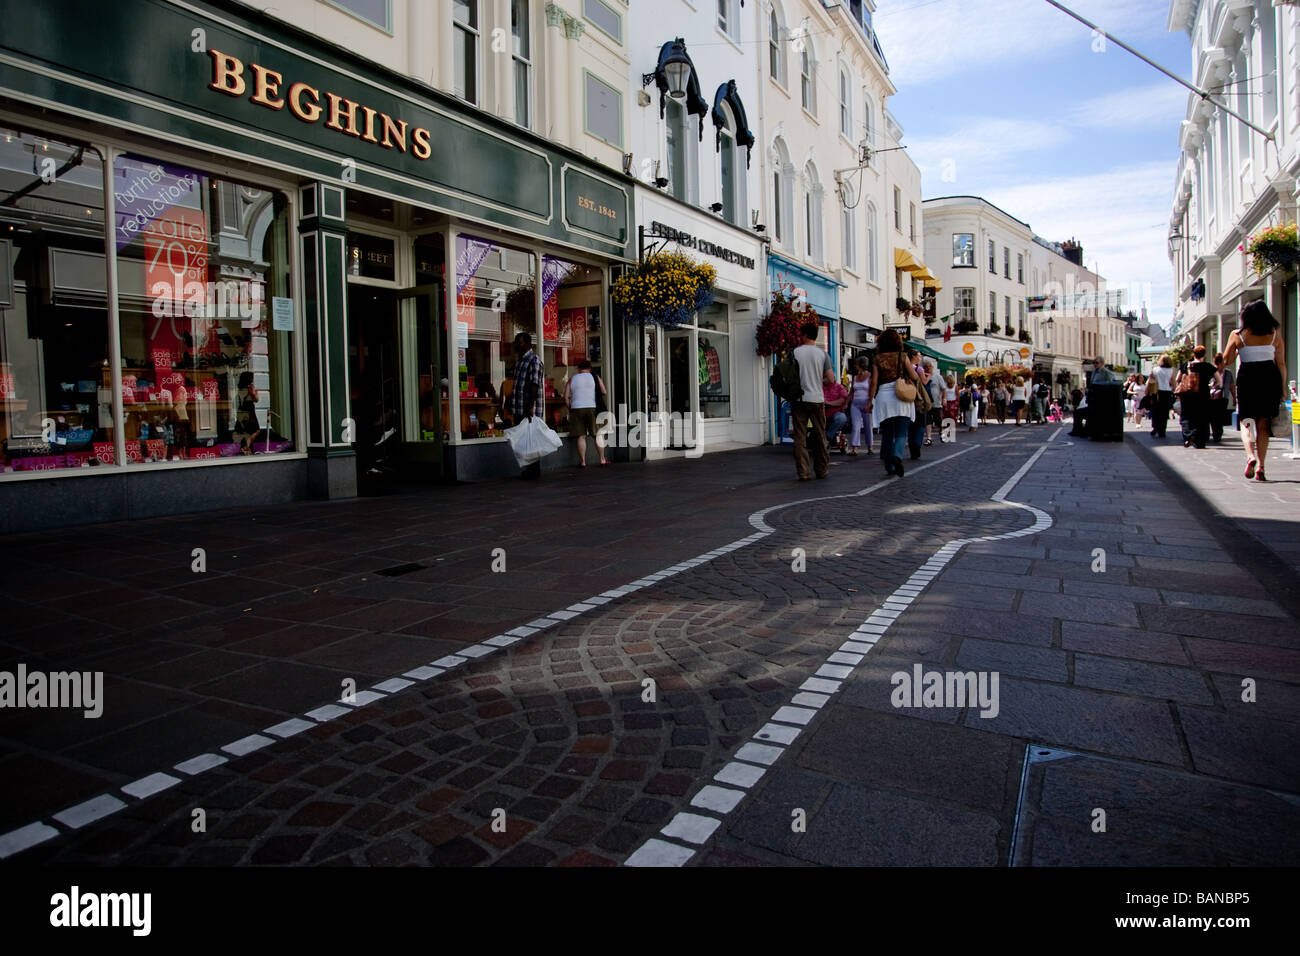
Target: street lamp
pixel 673 70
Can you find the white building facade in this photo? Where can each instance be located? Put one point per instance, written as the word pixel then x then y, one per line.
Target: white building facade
pixel 1233 181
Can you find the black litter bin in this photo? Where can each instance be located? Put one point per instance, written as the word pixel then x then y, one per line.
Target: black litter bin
pixel 1106 412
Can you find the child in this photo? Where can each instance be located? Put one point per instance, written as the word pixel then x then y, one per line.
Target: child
pixel 1148 401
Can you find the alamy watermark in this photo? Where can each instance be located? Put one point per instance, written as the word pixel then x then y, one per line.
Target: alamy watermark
pixel 950 689
pixel 78 690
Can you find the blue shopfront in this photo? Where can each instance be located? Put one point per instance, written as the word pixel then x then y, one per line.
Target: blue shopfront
pixel 822 294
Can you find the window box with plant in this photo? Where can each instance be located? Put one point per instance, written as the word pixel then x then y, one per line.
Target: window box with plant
pixel 1008 331
pixel 1277 247
pixel 965 327
pixel 902 305
pixel 1025 337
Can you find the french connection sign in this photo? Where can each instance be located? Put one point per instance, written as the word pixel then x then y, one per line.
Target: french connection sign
pixel 214 76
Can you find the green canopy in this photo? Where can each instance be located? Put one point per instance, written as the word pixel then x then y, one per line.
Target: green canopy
pixel 945 363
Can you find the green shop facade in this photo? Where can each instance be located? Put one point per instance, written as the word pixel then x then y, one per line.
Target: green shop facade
pixel 241 266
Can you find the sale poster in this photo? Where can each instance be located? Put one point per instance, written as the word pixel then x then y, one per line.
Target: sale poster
pixel 104 452
pixel 551 321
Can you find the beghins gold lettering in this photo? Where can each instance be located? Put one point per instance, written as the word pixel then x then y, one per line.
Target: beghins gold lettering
pixel 229 76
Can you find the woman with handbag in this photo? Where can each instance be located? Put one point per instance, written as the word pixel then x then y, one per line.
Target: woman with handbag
pixel 1193 390
pixel 1259 381
pixel 585 392
pixel 894 389
pixel 859 403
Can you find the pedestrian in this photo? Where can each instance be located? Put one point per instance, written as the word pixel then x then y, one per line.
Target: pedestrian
pixel 1000 399
pixel 1039 405
pixel 1018 398
pixel 1130 399
pixel 1164 378
pixel 916 433
pixel 893 412
pixel 950 396
pixel 814 372
pixel 1259 380
pixel 836 399
pixel 1222 399
pixel 859 400
pixel 581 396
pixel 1192 386
pixel 935 416
pixel 973 397
pixel 1150 397
pixel 527 397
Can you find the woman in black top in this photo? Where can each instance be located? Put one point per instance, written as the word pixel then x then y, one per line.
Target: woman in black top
pixel 1195 414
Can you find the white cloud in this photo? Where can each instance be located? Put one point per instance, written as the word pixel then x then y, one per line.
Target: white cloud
pixel 1120 216
pixel 981 146
pixel 940 38
pixel 1139 107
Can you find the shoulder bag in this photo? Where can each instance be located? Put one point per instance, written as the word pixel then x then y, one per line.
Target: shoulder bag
pixel 904 388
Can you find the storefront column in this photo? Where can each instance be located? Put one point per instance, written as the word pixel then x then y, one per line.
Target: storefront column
pixel 322 234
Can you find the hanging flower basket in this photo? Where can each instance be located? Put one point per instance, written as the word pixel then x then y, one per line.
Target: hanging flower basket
pixel 667 289
pixel 1277 247
pixel 780 330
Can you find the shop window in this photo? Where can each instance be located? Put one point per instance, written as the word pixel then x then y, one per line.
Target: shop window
pixel 714 353
pixel 571 330
pixel 207 318
pixel 56 400
pixel 465 20
pixel 495 301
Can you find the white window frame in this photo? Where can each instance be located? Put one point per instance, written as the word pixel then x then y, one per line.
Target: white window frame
pixel 846 103
pixel 993 258
pixel 993 311
pixel 808 76
pixel 963 265
pixel 814 224
pixel 618 17
pixel 728 21
pixel 873 244
pixel 783 227
pixel 586 109
pixel 476 32
pixel 966 312
pixel 525 62
pixel 898 210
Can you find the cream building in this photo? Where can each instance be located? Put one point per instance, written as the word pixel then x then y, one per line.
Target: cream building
pixel 1233 181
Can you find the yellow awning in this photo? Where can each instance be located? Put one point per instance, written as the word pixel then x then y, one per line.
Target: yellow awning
pixel 905 260
pixel 924 274
pixel 934 284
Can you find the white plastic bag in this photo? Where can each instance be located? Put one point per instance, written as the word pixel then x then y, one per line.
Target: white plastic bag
pixel 533 440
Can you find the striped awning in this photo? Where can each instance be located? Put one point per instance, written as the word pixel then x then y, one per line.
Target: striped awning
pixel 905 260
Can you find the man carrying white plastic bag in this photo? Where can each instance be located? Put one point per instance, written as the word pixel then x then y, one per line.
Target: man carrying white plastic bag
pixel 530 438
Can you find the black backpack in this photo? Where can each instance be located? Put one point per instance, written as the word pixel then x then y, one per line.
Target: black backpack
pixel 963 401
pixel 785 379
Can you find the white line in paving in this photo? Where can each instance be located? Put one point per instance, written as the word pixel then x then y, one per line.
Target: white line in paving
pixel 393 685
pixel 148 786
pixel 659 853
pixel 290 727
pixel 718 799
pixel 24 838
pixel 203 762
pixel 89 811
pixel 839 665
pixel 447 663
pixel 423 673
pixel 323 715
pixel 479 650
pixel 364 698
pixel 246 745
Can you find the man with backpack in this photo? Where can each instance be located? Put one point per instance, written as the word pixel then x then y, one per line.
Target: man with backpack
pixel 807 402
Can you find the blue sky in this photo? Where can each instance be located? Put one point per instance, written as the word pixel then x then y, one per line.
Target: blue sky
pixel 1077 142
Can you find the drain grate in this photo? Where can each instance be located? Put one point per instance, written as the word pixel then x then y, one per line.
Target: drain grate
pixel 400 570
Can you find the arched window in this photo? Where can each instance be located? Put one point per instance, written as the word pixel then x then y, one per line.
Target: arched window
pixel 775 51
pixel 782 192
pixel 807 73
pixel 680 146
pixel 849 226
pixel 813 214
pixel 846 103
pixel 732 167
pixel 873 245
pixel 868 124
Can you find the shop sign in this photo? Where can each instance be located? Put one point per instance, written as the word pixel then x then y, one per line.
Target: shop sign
pixel 968 348
pixel 233 81
pixel 594 206
pixel 688 241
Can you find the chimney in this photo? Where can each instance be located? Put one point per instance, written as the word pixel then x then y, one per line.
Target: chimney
pixel 1073 251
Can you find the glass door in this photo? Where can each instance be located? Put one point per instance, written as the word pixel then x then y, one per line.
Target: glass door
pixel 683 385
pixel 424 395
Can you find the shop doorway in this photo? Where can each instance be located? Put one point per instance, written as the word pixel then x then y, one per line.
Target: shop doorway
pixel 398 398
pixel 373 374
pixel 683 377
